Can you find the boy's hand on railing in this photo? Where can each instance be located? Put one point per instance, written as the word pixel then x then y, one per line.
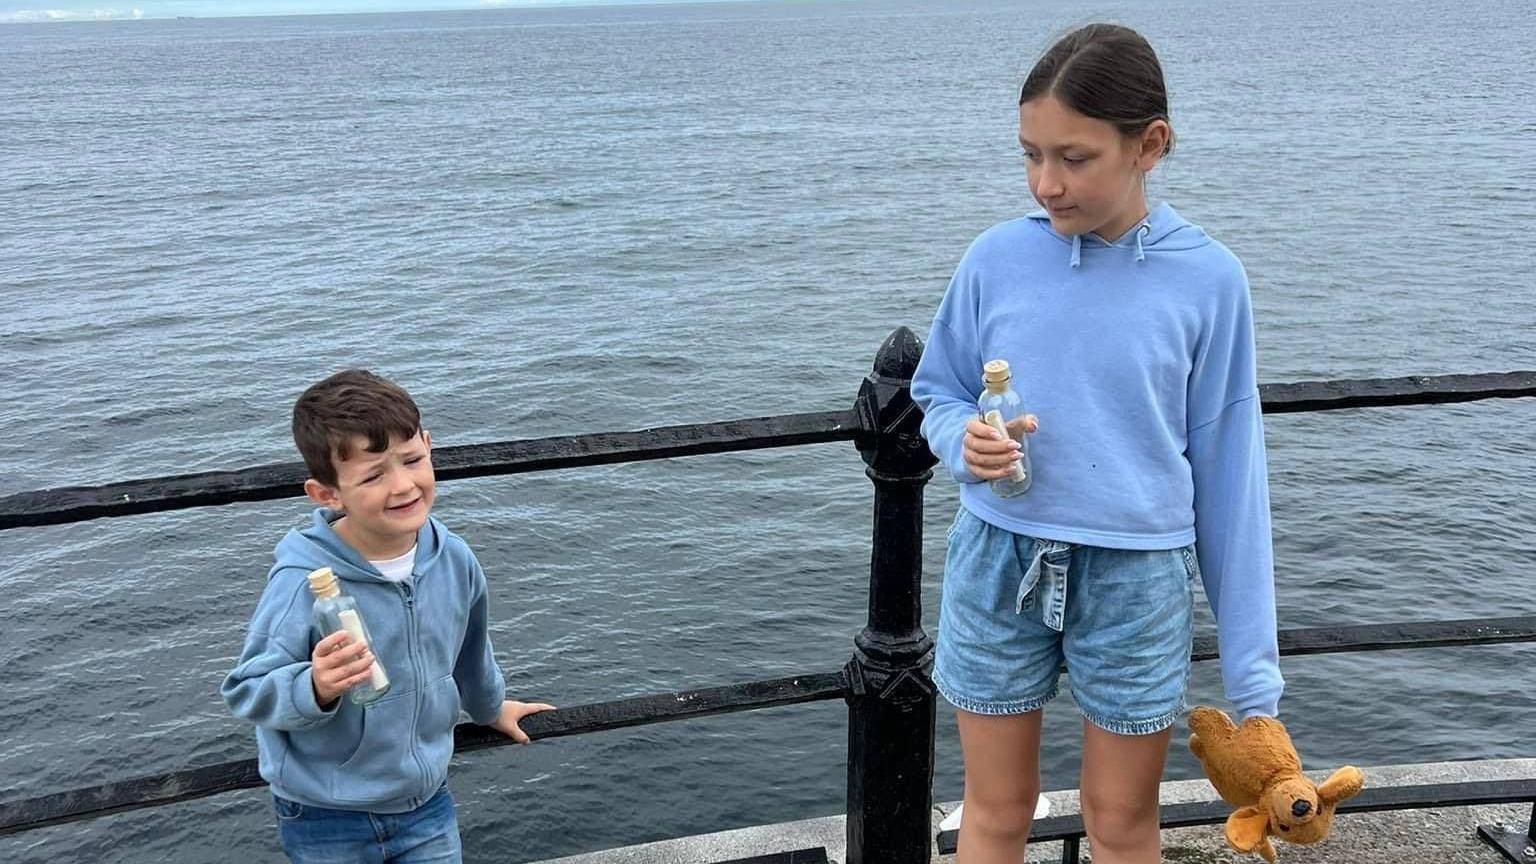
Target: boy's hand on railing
pixel 337 666
pixel 511 712
pixel 990 456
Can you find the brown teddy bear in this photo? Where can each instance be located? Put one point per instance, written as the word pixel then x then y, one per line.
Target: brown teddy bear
pixel 1254 767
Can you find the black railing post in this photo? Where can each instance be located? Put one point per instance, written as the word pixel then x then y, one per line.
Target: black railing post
pixel 891 709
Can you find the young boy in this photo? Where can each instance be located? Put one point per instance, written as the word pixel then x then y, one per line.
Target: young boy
pixel 355 783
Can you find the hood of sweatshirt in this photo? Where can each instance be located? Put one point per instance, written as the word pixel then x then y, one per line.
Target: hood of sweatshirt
pixel 318 545
pixel 1162 230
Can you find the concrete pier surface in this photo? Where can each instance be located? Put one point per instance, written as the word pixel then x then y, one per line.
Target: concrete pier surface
pixel 1428 836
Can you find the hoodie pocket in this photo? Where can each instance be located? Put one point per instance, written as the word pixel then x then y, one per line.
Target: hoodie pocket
pixel 381 768
pixel 439 714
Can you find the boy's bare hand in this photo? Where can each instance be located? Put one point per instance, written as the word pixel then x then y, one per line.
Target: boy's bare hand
pixel 990 456
pixel 511 712
pixel 337 666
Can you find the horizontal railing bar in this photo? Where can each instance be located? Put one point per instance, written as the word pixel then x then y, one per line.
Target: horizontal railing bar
pixel 1387 392
pixel 1370 800
pixel 1389 637
pixel 140 792
pixel 661 708
pixel 211 780
pixel 267 482
pixel 286 480
pixel 603 716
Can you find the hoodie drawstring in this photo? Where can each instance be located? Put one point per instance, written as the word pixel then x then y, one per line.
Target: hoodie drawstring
pixel 1143 230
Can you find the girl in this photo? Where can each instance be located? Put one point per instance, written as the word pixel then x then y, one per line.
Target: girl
pixel 1129 332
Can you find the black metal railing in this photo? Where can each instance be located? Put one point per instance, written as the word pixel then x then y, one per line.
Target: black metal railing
pixel 891 701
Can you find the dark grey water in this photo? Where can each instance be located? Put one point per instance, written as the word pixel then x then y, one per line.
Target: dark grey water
pixel 548 222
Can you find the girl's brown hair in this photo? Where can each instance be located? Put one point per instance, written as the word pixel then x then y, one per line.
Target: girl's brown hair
pixel 1107 72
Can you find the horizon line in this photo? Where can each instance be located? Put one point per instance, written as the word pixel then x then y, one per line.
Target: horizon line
pixel 109 15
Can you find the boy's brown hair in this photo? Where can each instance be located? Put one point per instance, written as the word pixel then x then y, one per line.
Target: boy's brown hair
pixel 349 404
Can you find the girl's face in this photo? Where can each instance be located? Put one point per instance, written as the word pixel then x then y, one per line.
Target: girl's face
pixel 1084 172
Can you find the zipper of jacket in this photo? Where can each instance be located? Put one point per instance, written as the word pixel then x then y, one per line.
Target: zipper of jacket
pixel 412 628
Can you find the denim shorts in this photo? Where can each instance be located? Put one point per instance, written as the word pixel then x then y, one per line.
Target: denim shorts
pixel 319 835
pixel 1015 609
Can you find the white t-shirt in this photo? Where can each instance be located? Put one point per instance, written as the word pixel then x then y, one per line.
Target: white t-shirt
pixel 397 569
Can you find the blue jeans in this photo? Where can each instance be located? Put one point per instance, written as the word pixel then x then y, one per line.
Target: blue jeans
pixel 319 835
pixel 1015 609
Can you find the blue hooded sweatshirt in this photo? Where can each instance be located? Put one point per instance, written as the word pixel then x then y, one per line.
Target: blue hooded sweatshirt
pixel 431 634
pixel 1138 358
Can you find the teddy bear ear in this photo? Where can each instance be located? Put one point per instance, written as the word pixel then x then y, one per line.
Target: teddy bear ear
pixel 1345 783
pixel 1246 828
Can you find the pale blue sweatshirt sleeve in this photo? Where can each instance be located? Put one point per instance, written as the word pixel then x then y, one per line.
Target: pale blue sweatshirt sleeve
pixel 1232 524
pixel 272 685
pixel 948 378
pixel 482 688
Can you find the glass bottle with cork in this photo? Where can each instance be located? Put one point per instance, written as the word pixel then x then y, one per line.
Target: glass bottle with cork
pixel 337 611
pixel 1002 409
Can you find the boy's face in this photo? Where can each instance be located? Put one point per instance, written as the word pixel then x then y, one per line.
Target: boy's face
pixel 386 496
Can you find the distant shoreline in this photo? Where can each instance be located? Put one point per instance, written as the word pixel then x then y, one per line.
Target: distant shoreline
pixel 97 14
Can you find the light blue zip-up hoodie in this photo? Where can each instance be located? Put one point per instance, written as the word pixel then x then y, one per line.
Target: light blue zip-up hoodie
pixel 1138 358
pixel 431 633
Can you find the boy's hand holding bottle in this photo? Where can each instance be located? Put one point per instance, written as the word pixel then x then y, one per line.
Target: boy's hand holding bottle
pixel 338 664
pixel 354 672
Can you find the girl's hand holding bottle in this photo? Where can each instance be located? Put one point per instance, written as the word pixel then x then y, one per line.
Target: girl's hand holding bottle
pixel 990 456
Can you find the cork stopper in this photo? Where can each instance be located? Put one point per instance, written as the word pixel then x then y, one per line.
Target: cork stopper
pixel 323 583
pixel 995 375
